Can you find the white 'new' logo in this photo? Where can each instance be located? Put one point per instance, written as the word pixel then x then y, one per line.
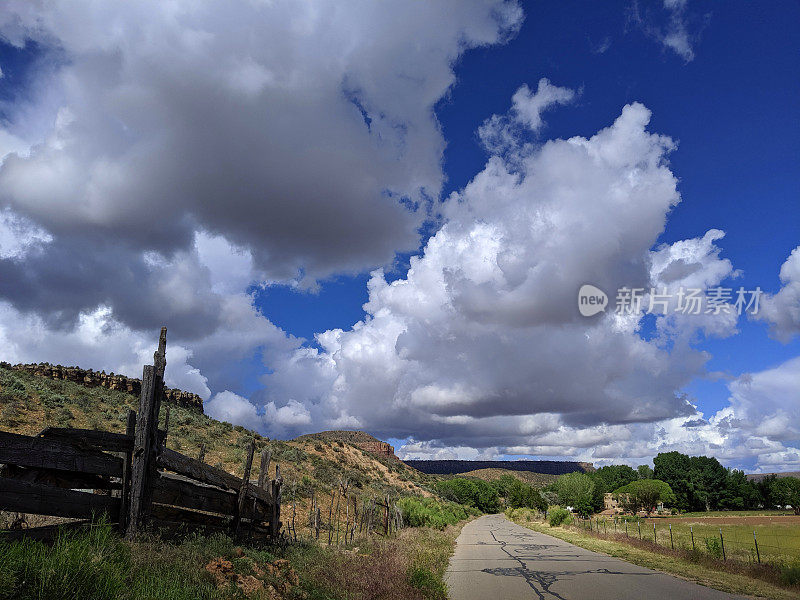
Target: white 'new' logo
pixel 591 300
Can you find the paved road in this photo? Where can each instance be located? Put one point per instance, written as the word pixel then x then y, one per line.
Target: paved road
pixel 496 559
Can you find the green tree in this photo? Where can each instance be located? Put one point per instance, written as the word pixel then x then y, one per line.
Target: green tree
pixel 673 468
pixel 470 492
pixel 739 492
pixel 708 479
pixel 576 490
pixel 644 472
pixel 645 494
pixel 615 476
pixel 522 495
pixel 786 490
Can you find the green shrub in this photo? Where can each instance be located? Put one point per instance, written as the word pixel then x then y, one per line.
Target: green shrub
pixel 714 547
pixel 427 512
pixel 559 516
pixel 790 574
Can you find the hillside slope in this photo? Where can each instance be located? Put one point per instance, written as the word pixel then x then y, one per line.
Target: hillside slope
pixel 538 480
pixel 29 403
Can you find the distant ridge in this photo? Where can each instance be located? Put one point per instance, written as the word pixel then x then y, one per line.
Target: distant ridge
pixel 760 476
pixel 453 467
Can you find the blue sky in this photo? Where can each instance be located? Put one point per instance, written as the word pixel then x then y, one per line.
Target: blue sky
pixel 734 110
pixel 309 197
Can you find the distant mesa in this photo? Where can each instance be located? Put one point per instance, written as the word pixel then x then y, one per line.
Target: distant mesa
pixel 455 467
pixel 759 476
pixel 111 381
pixel 356 438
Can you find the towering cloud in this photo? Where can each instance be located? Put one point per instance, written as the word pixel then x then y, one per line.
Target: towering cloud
pixel 482 341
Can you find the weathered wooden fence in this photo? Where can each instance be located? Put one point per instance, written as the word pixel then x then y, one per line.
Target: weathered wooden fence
pixel 133 478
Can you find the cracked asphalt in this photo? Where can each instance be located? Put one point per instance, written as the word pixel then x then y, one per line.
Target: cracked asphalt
pixel 496 559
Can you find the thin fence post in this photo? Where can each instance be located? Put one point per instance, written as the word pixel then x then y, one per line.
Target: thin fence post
pixel 691 532
pixel 166 427
pixel 722 542
pixel 755 541
pixel 277 492
pixel 671 543
pixel 639 526
pixel 626 529
pixel 655 539
pixel 386 517
pixel 125 496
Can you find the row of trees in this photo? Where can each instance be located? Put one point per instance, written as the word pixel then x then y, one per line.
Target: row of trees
pixel 687 483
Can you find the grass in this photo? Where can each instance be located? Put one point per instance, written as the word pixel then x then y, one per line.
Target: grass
pixel 768 581
pixel 734 513
pixel 778 539
pixel 98 564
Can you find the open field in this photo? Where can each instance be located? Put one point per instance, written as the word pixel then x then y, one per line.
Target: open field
pixel 726 514
pixel 778 536
pixel 779 581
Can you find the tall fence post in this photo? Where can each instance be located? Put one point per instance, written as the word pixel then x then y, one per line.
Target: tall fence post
pixel 243 488
pixel 143 463
pixel 655 539
pixel 691 532
pixel 639 526
pixel 722 543
pixel 263 473
pixel 755 541
pixel 144 449
pixel 671 543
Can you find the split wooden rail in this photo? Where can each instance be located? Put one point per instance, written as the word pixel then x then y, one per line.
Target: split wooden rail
pixel 133 478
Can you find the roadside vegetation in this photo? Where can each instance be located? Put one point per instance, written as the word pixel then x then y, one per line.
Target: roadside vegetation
pixel 98 564
pixel 780 581
pixel 491 496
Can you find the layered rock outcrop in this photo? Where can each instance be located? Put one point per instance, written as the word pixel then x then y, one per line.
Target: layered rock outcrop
pixel 381 448
pixel 111 381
